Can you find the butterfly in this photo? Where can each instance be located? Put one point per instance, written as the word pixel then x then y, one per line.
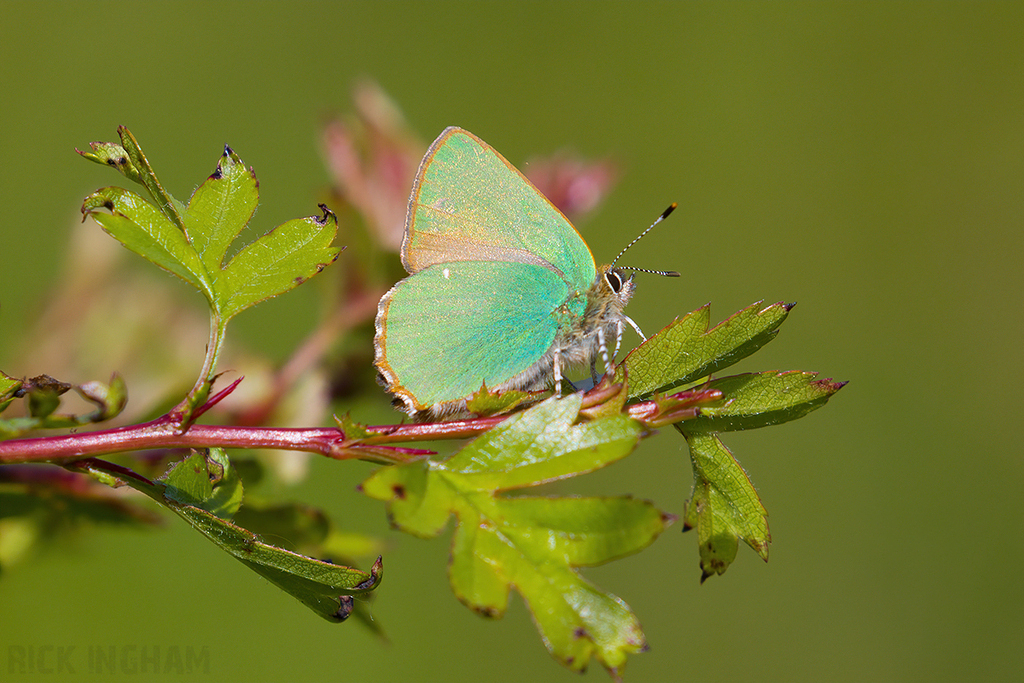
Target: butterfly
pixel 502 291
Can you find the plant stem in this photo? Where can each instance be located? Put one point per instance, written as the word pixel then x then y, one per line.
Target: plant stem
pixel 168 432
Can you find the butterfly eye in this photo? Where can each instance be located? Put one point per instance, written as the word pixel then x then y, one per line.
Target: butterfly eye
pixel 614 281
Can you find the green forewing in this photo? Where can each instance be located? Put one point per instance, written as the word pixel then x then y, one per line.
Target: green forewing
pixel 470 204
pixel 451 327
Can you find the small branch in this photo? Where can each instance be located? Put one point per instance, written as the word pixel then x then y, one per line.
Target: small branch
pixel 184 411
pixel 167 432
pixel 216 398
pixel 654 413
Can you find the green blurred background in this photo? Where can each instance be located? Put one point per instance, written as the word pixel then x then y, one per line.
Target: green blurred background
pixel 863 159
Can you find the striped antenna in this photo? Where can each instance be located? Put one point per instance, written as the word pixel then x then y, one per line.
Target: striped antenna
pixel 666 273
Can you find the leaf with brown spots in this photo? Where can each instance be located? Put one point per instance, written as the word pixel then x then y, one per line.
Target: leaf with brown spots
pixel 205 490
pixel 531 543
pixel 724 508
pixel 193 241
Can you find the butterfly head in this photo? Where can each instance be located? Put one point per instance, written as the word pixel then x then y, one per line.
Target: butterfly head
pixel 614 286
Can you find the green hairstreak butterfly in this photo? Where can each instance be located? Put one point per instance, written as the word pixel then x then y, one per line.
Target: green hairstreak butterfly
pixel 502 291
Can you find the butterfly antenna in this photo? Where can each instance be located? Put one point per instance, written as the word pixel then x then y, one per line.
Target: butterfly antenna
pixel 666 273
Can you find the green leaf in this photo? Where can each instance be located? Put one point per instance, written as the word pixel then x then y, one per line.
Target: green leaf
pixel 109 399
pixel 142 228
pixel 542 445
pixel 533 544
pixel 168 205
pixel 761 400
pixel 192 242
pixel 113 155
pixel 318 584
pixel 199 489
pixel 687 350
pixel 220 208
pixel 353 431
pixel 8 387
pixel 484 402
pixel 307 530
pixel 724 507
pixel 42 403
pixel 206 481
pixel 43 395
pixel 279 261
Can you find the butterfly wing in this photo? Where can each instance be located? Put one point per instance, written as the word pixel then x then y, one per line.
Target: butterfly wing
pixel 449 328
pixel 469 204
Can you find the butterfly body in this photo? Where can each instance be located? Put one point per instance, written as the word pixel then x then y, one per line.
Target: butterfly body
pixel 502 291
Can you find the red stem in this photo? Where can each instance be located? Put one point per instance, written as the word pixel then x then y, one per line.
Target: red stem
pixel 165 432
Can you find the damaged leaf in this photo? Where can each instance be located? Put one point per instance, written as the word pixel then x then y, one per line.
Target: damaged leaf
pixel 531 543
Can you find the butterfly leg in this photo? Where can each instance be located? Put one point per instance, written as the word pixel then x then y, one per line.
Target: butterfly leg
pixel 558 373
pixel 634 326
pixel 618 338
pixel 603 346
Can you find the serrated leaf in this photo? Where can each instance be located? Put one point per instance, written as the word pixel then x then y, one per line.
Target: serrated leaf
pixel 279 261
pixel 533 544
pixel 324 587
pixel 168 205
pixel 220 208
pixel 318 584
pixel 724 507
pixel 687 350
pixel 8 386
pixel 539 446
pixel 353 431
pixel 113 155
pixel 142 228
pixel 485 402
pixel 192 242
pixel 307 530
pixel 205 481
pixel 761 400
